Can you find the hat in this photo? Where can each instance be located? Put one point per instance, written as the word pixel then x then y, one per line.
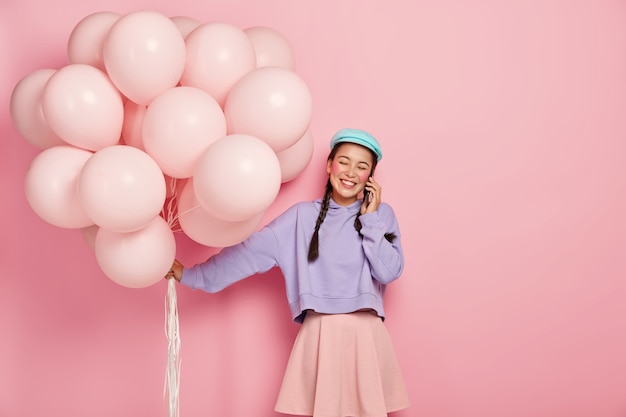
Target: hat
pixel 360 137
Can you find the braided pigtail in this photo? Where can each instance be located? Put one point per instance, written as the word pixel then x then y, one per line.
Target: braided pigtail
pixel 357 223
pixel 314 245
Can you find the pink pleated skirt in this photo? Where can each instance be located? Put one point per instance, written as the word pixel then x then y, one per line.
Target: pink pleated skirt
pixel 342 365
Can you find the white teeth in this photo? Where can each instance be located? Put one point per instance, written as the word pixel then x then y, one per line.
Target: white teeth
pixel 348 183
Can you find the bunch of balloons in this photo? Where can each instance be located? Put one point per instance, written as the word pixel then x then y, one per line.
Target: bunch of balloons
pixel 162 124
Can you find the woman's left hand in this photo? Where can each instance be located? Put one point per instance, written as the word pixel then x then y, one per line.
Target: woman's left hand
pixel 176 271
pixel 371 200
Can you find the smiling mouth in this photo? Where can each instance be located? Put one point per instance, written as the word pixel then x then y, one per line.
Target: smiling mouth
pixel 348 184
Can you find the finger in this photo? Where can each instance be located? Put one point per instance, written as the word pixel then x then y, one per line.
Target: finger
pixel 374 188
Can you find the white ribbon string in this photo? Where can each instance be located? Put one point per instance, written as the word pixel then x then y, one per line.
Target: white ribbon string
pixel 172 377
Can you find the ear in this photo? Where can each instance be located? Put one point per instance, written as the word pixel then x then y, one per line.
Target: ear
pixel 328 164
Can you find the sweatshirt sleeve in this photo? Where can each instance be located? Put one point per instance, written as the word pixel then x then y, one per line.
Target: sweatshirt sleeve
pixel 386 258
pixel 257 254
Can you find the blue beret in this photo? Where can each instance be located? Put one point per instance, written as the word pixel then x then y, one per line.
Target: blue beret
pixel 360 137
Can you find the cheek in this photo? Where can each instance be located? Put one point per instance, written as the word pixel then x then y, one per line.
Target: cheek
pixel 363 177
pixel 335 169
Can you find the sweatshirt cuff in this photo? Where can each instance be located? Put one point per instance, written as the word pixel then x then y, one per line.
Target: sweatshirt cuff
pixel 372 221
pixel 189 278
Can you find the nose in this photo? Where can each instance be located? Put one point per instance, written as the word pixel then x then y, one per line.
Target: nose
pixel 351 171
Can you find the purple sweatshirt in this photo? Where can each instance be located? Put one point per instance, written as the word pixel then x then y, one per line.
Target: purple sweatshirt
pixel 350 274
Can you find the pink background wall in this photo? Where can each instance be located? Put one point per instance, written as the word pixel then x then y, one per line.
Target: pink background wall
pixel 504 130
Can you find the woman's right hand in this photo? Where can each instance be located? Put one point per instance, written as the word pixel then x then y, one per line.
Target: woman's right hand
pixel 176 271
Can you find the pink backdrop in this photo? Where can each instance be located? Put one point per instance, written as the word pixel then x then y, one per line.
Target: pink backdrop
pixel 503 126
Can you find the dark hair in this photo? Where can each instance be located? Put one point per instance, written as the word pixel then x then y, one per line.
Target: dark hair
pixel 314 245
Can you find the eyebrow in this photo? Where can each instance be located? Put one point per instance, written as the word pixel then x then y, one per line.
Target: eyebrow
pixel 349 159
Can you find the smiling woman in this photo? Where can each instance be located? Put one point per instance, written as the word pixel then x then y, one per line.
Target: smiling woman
pixel 342 362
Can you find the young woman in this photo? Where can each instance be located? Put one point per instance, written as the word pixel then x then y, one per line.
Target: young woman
pixel 337 254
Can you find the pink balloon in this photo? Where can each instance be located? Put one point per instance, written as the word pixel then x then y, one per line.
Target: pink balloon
pixel 86 40
pixel 237 177
pixel 271 47
pixel 51 186
pixel 271 103
pixel 185 24
pixel 218 55
pixel 27 113
pixel 83 107
pixel 136 259
pixel 295 159
pixel 178 126
pixel 144 55
pixel 133 124
pixel 206 229
pixel 122 188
